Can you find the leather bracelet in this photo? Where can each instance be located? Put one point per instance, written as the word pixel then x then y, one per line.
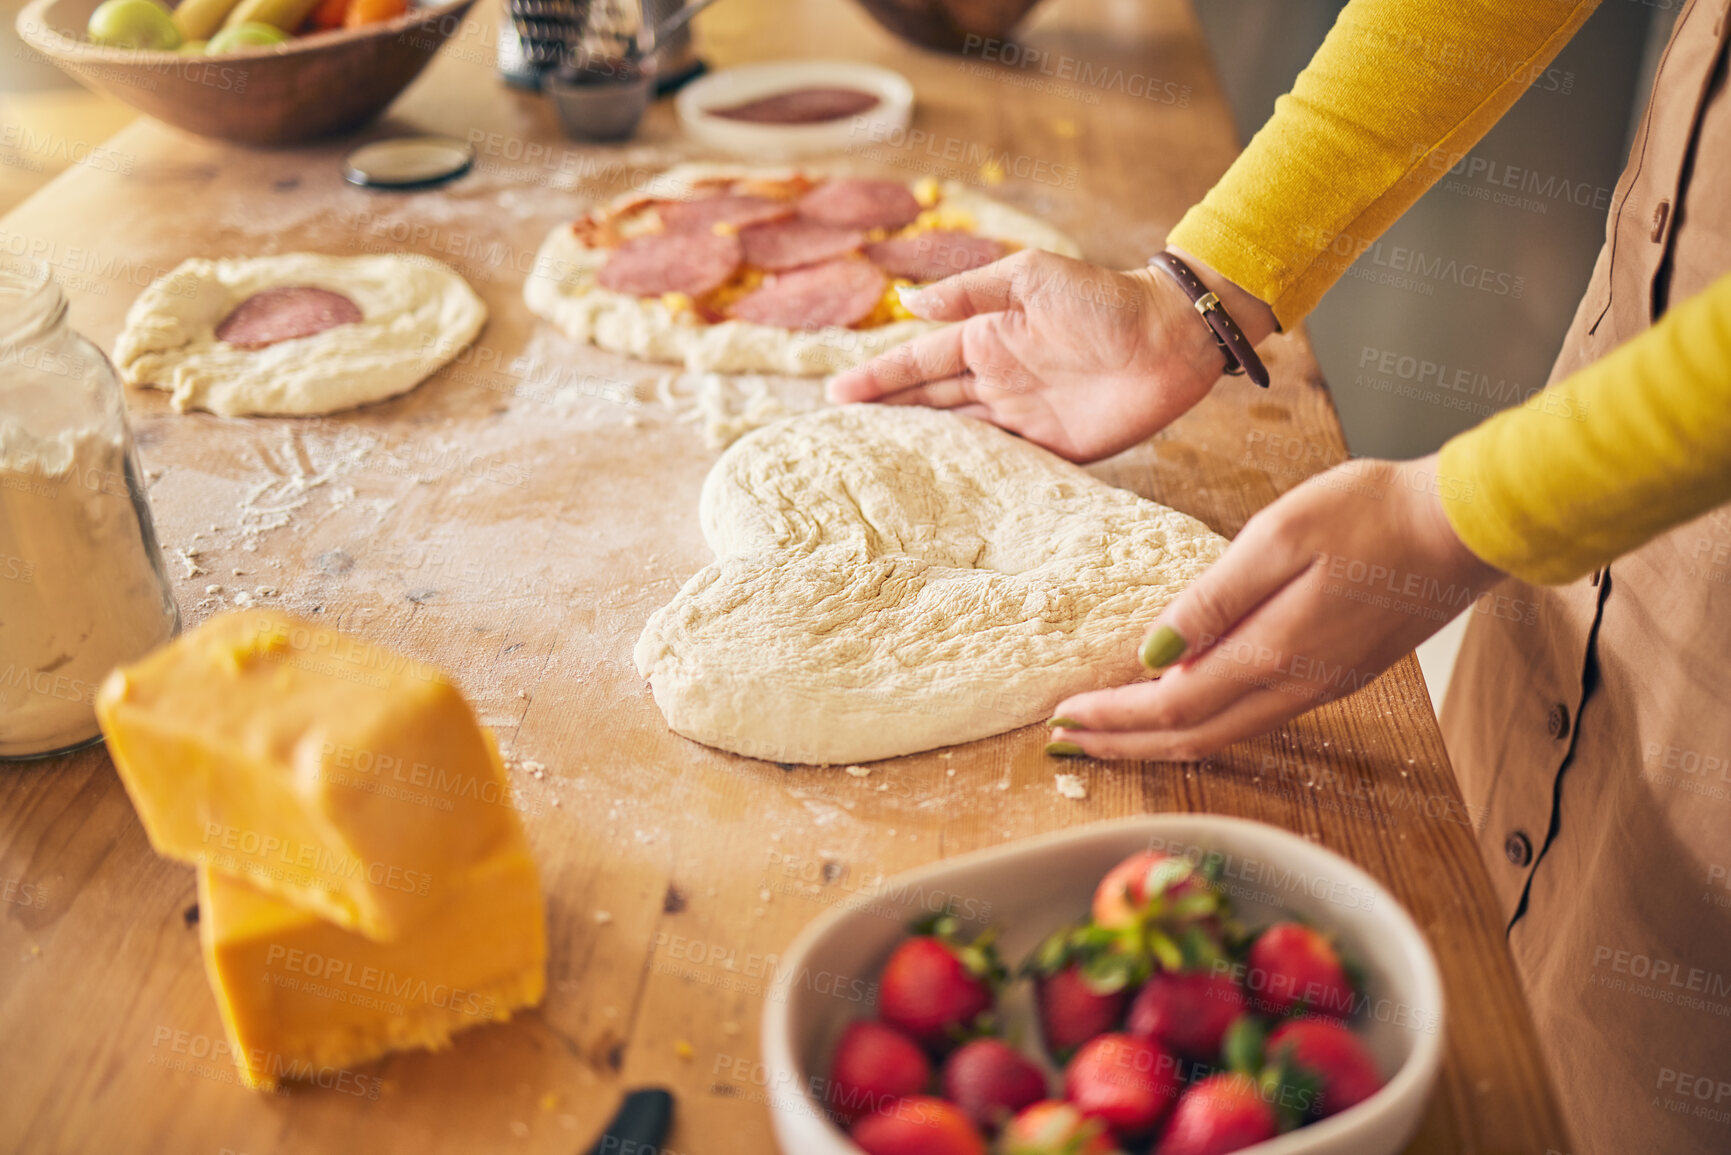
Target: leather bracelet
pixel 1240 357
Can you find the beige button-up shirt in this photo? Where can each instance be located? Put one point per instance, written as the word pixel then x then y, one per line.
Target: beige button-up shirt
pixel 1596 742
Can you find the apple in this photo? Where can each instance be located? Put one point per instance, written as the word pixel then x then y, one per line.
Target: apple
pixel 144 24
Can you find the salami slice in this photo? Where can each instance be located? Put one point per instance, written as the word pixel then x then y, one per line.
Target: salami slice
pixel 689 263
pixel 702 215
pixel 934 255
pixel 788 244
pixel 284 313
pixel 800 106
pixel 851 203
pixel 839 293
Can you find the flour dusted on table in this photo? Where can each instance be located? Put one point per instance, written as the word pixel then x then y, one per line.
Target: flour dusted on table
pixel 79 587
pixel 723 408
pixel 891 579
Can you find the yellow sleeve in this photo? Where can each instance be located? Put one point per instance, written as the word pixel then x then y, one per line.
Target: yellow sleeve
pixel 1397 94
pixel 1632 445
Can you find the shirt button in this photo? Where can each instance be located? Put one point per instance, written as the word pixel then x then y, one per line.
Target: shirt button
pixel 1661 214
pixel 1518 847
pixel 1557 722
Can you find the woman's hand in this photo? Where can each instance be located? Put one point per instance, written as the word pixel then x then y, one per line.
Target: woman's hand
pixel 1079 359
pixel 1321 591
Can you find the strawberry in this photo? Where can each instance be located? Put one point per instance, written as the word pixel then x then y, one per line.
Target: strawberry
pixel 874 1065
pixel 1222 1113
pixel 917 1125
pixel 1187 1013
pixel 1056 1128
pixel 1293 967
pixel 1166 911
pixel 1082 979
pixel 990 1081
pixel 937 989
pixel 1124 891
pixel 1126 1082
pixel 1072 1011
pixel 1331 1054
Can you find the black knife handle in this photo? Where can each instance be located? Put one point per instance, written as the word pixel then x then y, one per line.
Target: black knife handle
pixel 640 1124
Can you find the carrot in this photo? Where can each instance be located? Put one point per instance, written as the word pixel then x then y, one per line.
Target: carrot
pixel 373 11
pixel 329 14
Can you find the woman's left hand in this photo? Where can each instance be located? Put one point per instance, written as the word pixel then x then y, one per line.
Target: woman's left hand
pixel 1319 593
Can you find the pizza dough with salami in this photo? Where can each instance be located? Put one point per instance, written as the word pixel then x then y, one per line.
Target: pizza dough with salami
pixel 739 270
pixel 298 333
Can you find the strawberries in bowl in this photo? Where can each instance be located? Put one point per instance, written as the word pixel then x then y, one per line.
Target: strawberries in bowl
pixel 990 1081
pixel 1127 1083
pixel 1053 1127
pixel 937 988
pixel 1126 888
pixel 918 1125
pixel 1220 1114
pixel 1225 999
pixel 1293 967
pixel 1160 1004
pixel 1083 976
pixel 1329 1057
pixel 874 1065
pixel 1187 1011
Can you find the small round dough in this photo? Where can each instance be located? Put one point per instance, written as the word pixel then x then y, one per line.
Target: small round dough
pixel 416 314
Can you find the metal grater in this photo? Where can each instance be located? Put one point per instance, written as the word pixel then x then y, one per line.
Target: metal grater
pixel 544 28
pixel 535 36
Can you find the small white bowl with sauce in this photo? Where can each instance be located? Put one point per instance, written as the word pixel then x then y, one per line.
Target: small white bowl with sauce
pixel 704 108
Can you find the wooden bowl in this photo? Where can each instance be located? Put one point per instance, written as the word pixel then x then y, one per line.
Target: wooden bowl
pixel 947 24
pixel 312 86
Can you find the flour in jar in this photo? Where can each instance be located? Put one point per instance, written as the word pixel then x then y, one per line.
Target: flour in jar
pixel 80 588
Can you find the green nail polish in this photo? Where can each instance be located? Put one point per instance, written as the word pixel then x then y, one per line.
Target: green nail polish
pixel 1063 723
pixel 1163 647
pixel 1063 749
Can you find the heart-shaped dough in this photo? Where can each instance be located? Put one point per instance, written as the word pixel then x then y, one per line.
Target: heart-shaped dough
pixel 893 578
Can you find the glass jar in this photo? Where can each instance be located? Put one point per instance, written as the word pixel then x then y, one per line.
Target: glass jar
pixel 82 585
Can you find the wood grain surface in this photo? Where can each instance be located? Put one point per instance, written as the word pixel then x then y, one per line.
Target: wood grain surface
pixel 517 518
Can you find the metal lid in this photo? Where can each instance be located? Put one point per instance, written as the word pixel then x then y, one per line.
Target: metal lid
pixel 405 162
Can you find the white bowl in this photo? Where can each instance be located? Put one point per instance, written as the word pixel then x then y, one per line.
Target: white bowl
pixel 887 122
pixel 828 976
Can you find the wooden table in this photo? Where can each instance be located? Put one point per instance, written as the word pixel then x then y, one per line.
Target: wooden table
pixel 514 521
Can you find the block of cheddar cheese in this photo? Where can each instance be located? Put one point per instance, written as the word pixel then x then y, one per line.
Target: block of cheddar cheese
pixel 303 1000
pixel 350 781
